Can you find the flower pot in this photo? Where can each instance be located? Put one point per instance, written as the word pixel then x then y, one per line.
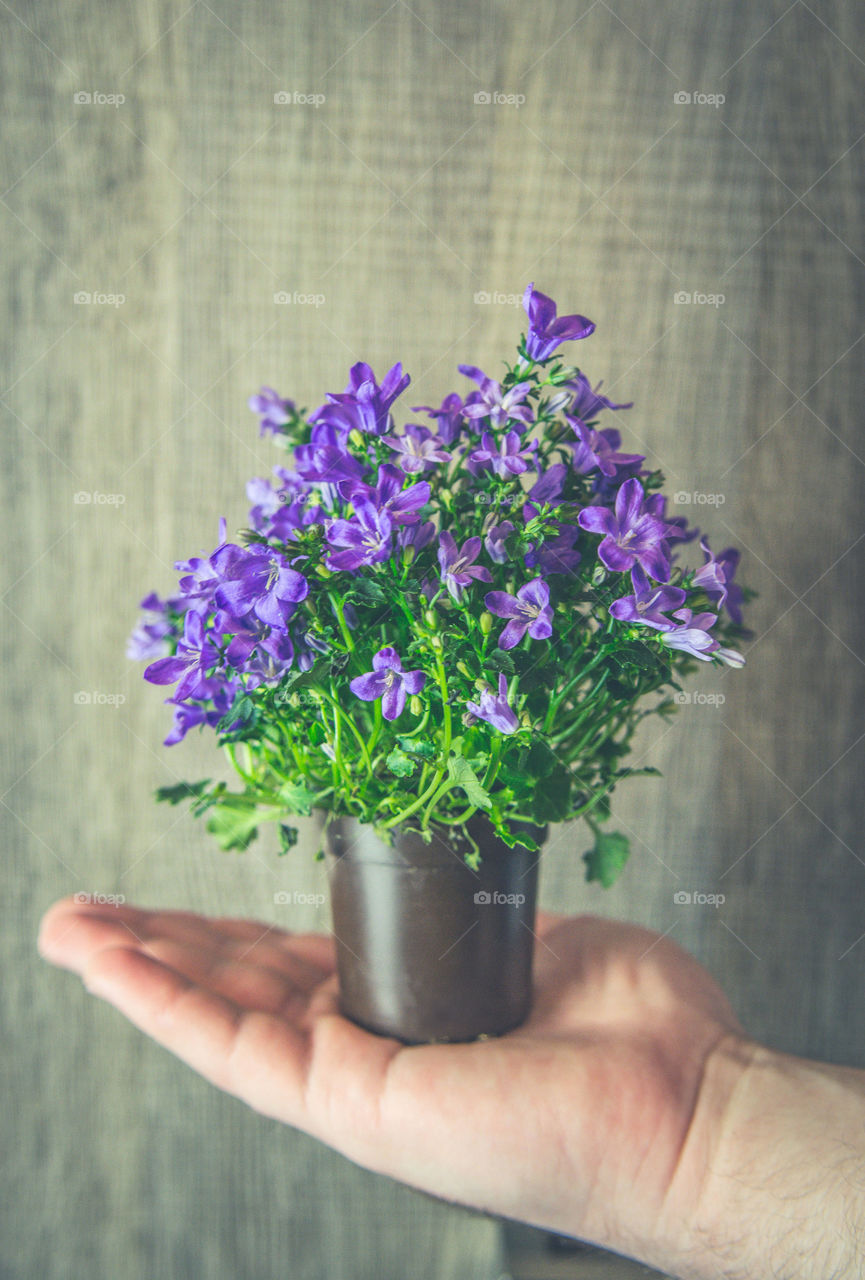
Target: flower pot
pixel 428 949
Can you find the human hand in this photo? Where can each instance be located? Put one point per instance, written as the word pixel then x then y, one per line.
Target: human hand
pixel 576 1121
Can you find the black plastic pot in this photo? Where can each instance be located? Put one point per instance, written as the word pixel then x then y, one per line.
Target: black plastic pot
pixel 427 949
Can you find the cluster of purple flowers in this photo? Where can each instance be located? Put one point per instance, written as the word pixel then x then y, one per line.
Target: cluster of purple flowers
pixel 379 499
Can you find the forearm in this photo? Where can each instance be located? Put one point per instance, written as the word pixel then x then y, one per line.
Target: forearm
pixel 771 1181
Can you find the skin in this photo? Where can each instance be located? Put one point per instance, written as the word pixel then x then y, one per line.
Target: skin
pixel 614 1114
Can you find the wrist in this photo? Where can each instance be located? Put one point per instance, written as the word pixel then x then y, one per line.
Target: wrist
pixel 769 1180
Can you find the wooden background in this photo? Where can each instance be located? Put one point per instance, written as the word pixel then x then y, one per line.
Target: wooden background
pixel 399 198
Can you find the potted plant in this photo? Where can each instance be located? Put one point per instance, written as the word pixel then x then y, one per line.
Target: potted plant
pixel 442 635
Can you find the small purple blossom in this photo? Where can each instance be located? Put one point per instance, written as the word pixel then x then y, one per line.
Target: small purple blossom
pixel 196 658
pixel 364 405
pixel 505 457
pixel 631 535
pixel 274 411
pixel 188 715
pixel 556 555
pixel 258 580
pixel 401 505
pixel 449 417
pixel 417 448
pixel 495 539
pixel 598 449
pixel 388 681
pixel 529 610
pixel 495 709
pixel 152 638
pixel 547 331
pixel 417 536
pixel 326 459
pixel 457 565
pixel 586 403
pixel 366 537
pixel 648 604
pixel 491 402
pixel 691 636
pixel 716 579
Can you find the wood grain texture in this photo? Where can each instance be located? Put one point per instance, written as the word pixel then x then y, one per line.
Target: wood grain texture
pixel 398 199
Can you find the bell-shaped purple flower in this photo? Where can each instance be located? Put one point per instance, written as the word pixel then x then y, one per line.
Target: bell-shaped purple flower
pixel 364 405
pixel 274 411
pixel 260 581
pixel 586 403
pixel 196 658
pixel 716 579
pixel 505 457
pixel 631 535
pixel 457 564
pixel 691 636
pixel 529 610
pixel 389 496
pixel 547 331
pixel 491 402
pixel 556 555
pixel 495 539
pixel 599 449
pixel 649 604
pixel 495 709
pixel 366 537
pixel 388 681
pixel 417 448
pixel 326 459
pixel 448 417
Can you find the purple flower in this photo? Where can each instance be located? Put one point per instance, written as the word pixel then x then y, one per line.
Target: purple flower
pixel 449 418
pixel 364 405
pixel 648 604
pixel 275 412
pixel 692 635
pixel 546 330
pixel 417 448
pixel 529 610
pixel 187 715
pixel 326 458
pixel 416 535
pixel 716 579
pixel 457 566
pixel 495 539
pixel 557 555
pixel 366 537
pixel 586 403
pixel 196 656
pixel 677 526
pixel 545 491
pixel 505 457
pixel 494 708
pixel 631 535
pixel 401 506
pixel 263 656
pixel 599 449
pixel 152 639
pixel 491 402
pixel 260 581
pixel 388 681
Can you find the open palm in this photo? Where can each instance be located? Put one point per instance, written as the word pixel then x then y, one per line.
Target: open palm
pixel 575 1121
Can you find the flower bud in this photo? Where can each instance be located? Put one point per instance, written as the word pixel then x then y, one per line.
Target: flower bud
pixel 408 554
pixel 356 438
pixel 431 618
pixel 415 705
pixel 526 720
pixel 486 623
pixel 461 667
pixel 323 571
pixel 436 642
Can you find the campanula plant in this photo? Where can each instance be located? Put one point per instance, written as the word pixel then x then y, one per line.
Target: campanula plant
pixel 426 619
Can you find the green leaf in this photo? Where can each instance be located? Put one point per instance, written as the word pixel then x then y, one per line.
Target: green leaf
pixel 400 764
pixel 464 776
pixel 500 660
pixel 540 760
pixel 183 791
pixel 297 798
pixel 418 747
pixel 606 861
pixel 234 823
pixel 288 837
pixel 551 799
